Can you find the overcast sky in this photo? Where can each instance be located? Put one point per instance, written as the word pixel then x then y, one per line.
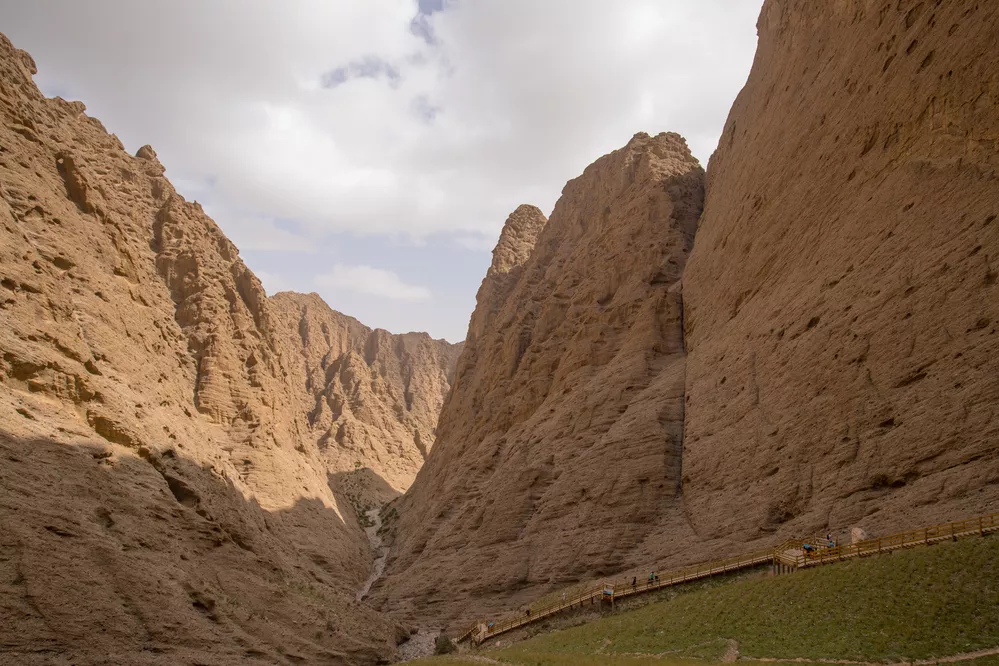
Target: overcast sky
pixel 370 150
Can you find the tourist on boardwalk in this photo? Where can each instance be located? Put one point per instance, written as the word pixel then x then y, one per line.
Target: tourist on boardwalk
pixel 634 581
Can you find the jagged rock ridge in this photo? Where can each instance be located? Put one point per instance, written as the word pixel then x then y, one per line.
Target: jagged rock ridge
pixel 373 397
pixel 164 495
pixel 560 442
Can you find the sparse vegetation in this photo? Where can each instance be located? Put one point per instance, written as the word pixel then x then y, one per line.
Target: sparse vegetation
pixel 926 603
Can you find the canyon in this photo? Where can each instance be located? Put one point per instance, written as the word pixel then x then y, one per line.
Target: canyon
pixel 676 364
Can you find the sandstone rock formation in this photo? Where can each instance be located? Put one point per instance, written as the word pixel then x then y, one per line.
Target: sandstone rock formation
pixel 839 312
pixel 178 452
pixel 841 301
pixel 372 397
pixel 560 443
pixel 166 494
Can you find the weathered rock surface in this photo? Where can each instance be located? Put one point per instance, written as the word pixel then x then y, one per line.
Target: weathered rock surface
pixel 839 312
pixel 373 398
pixel 165 496
pixel 560 444
pixel 841 300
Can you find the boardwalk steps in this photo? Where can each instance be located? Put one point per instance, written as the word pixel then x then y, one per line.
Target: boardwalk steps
pixel 784 558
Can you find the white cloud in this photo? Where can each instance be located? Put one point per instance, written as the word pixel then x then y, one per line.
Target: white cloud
pixel 273 283
pixel 357 123
pixel 372 282
pixel 476 243
pixel 508 101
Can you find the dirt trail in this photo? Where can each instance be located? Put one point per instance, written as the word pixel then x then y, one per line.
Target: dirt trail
pixel 374 515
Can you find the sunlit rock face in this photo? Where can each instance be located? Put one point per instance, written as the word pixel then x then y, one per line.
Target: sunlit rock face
pixel 373 398
pixel 174 485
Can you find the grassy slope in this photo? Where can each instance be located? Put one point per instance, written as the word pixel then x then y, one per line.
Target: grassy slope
pixel 917 604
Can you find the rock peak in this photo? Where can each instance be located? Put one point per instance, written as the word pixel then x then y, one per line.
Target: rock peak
pixel 520 233
pixel 146 153
pixel 572 369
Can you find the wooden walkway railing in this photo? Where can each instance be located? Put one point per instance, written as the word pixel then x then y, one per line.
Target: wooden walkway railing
pixel 787 556
pixel 979 526
pixel 615 590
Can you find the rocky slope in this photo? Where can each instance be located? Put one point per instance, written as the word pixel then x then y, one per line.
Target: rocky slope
pixel 839 312
pixel 560 444
pixel 841 300
pixel 166 493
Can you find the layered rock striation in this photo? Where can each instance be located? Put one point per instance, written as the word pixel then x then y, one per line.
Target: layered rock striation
pixel 166 494
pixel 560 443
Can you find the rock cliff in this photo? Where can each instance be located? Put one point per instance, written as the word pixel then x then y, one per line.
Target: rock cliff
pixel 172 485
pixel 560 443
pixel 182 458
pixel 839 315
pixel 841 301
pixel 372 397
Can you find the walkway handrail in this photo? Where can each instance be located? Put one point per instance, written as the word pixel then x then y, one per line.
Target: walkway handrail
pixel 980 525
pixel 624 588
pixel 788 553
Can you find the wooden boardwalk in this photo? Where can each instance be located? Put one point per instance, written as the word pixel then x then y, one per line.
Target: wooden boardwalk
pixel 786 557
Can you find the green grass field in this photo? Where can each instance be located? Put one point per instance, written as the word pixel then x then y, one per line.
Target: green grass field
pixel 921 604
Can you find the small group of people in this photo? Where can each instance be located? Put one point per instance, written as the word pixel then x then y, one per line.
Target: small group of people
pixel 810 549
pixel 653 578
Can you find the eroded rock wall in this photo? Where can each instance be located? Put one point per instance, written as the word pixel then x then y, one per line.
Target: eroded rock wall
pixel 841 300
pixel 560 444
pixel 164 497
pixel 839 316
pixel 372 397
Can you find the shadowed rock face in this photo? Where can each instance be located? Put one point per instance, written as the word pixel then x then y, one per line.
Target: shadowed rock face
pixel 172 479
pixel 841 300
pixel 560 443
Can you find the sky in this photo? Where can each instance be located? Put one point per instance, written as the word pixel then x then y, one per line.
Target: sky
pixel 370 150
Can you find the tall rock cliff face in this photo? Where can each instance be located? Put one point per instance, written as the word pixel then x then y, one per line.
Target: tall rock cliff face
pixel 560 444
pixel 841 301
pixel 163 493
pixel 839 315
